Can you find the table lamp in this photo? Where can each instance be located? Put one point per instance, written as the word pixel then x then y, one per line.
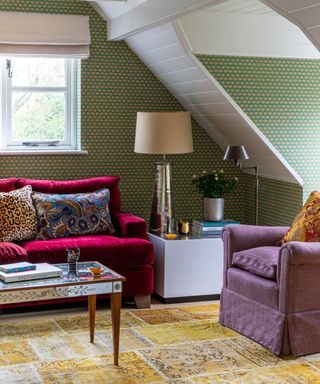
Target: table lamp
pixel 237 154
pixel 163 133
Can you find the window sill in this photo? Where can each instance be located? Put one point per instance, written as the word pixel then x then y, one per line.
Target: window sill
pixel 20 152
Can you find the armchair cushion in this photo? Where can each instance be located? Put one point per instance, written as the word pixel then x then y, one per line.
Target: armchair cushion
pixel 240 237
pixel 261 261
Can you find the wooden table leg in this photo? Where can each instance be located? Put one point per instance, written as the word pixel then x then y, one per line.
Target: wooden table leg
pixel 115 312
pixel 92 304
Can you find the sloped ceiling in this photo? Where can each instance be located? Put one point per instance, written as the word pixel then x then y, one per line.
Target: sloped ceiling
pixel 245 28
pixel 115 8
pixel 303 13
pixel 168 50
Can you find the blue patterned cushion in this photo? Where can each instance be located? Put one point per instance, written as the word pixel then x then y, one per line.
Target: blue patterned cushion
pixel 72 214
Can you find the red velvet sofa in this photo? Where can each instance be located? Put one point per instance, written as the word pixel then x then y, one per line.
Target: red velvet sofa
pixel 128 252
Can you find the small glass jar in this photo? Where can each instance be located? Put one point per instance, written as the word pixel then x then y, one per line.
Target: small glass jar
pixel 73 255
pixel 184 227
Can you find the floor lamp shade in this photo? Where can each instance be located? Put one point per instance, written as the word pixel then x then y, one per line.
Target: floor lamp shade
pixel 237 154
pixel 163 133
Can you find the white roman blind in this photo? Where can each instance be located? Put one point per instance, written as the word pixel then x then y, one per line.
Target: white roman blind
pixel 37 34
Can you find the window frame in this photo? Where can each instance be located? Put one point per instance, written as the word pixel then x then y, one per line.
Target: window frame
pixel 70 90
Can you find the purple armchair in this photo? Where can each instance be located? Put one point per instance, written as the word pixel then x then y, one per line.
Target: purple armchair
pixel 271 292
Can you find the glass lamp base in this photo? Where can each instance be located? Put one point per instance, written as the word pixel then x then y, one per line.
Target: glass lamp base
pixel 162 213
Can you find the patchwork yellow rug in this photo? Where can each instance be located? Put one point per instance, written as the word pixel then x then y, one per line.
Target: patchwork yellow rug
pixel 182 344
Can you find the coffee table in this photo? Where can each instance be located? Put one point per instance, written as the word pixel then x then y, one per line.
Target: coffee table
pixel 72 284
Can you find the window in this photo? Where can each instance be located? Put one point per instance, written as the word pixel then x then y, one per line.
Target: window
pixel 39 103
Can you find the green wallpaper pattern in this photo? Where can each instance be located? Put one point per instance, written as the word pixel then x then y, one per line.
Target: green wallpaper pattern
pixel 115 85
pixel 282 97
pixel 279 202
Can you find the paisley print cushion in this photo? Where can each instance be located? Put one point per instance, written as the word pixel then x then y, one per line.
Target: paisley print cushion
pixel 306 225
pixel 18 220
pixel 72 214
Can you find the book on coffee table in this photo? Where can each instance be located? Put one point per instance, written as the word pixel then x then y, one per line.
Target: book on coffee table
pixel 42 271
pixel 17 267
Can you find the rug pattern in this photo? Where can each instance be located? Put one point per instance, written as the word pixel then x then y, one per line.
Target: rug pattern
pixel 164 344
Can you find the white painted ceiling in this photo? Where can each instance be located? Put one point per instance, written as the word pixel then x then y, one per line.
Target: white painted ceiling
pixel 245 28
pixel 114 9
pixel 243 6
pixel 303 13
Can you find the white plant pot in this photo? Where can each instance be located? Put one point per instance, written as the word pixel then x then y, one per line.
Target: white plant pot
pixel 213 209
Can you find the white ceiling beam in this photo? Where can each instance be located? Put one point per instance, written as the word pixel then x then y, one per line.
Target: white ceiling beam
pixel 150 14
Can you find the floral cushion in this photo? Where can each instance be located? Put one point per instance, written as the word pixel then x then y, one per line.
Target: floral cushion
pixel 18 220
pixel 72 214
pixel 306 225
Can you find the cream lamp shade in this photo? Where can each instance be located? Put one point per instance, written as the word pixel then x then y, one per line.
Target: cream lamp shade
pixel 163 133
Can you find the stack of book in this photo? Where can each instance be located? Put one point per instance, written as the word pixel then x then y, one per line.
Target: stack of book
pixel 10 273
pixel 210 228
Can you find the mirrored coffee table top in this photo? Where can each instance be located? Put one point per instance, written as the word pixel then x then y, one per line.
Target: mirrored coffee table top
pixel 82 275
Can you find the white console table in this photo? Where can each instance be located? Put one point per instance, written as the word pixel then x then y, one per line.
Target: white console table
pixel 187 268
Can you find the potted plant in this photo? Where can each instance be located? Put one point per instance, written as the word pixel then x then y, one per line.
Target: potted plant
pixel 213 187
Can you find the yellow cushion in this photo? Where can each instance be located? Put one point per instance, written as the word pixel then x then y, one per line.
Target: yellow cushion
pixel 306 225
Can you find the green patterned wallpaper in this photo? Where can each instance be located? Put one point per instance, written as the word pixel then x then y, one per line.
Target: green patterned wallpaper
pixel 282 97
pixel 115 85
pixel 279 202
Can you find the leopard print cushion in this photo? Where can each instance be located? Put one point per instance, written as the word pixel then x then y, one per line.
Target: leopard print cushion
pixel 18 219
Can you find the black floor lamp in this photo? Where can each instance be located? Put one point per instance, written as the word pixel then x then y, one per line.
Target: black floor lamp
pixel 237 154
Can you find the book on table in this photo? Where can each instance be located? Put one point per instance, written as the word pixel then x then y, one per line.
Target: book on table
pixel 17 267
pixel 210 227
pixel 42 271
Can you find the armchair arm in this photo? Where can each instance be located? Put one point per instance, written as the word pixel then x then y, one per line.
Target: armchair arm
pixel 128 225
pixel 298 276
pixel 301 253
pixel 240 237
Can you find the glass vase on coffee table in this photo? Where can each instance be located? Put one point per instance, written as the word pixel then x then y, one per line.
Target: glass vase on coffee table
pixel 73 255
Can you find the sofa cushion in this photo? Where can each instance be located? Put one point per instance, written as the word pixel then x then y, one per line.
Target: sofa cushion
pixel 72 214
pixel 261 261
pixel 108 250
pixel 12 253
pixel 78 186
pixel 18 220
